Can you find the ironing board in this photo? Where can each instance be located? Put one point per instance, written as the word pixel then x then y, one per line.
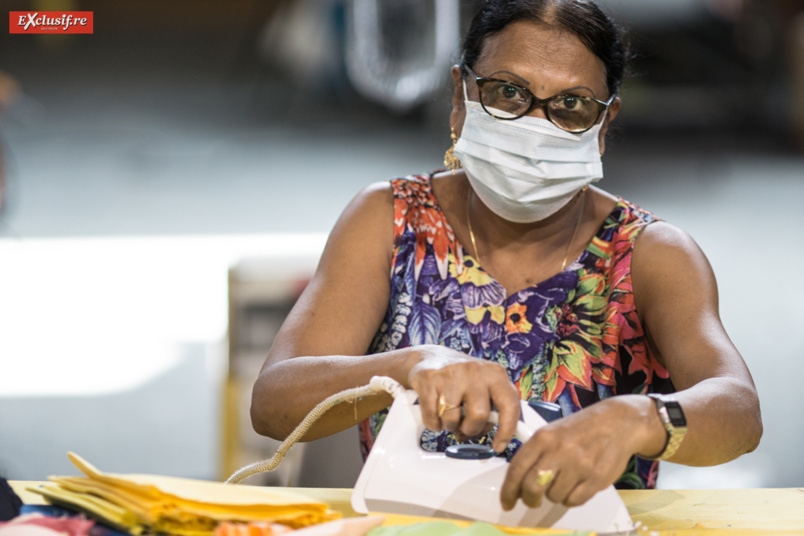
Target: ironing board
pixel 732 512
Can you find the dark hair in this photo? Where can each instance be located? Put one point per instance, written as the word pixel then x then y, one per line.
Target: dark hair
pixel 582 18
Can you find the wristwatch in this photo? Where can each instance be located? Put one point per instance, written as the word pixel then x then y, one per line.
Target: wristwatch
pixel 672 417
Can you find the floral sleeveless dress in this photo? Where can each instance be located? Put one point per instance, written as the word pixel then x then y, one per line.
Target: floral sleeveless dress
pixel 573 339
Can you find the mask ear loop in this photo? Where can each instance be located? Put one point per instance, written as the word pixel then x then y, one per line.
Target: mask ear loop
pixel 604 115
pixel 465 91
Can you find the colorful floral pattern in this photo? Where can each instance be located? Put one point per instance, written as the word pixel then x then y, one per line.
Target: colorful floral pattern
pixel 573 339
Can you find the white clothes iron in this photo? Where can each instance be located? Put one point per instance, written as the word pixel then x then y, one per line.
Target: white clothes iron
pixel 400 477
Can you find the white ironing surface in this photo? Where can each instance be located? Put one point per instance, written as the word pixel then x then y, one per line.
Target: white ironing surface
pixel 399 477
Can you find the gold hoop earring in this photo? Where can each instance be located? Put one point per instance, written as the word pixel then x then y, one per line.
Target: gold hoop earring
pixel 451 162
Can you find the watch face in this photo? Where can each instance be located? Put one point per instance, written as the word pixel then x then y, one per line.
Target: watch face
pixel 675 414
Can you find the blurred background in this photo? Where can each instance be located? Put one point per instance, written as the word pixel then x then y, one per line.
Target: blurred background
pixel 169 181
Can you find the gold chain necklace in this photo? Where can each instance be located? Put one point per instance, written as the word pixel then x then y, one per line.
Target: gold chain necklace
pixel 572 238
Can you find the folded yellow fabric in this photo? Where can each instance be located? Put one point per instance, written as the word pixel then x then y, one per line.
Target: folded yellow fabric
pixel 180 506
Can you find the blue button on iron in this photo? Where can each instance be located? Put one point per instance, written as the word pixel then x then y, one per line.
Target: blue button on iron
pixel 470 452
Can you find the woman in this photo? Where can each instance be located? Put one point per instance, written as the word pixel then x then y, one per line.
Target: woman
pixel 513 277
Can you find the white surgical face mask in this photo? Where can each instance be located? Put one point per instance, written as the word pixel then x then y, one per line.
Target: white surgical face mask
pixel 526 169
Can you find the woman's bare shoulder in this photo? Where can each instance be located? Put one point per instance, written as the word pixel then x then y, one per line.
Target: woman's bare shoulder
pixel 667 263
pixel 378 196
pixel 365 227
pixel 663 237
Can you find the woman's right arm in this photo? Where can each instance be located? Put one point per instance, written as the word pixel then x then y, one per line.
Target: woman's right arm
pixel 320 349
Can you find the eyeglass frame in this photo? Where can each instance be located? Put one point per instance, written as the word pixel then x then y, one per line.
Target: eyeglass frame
pixel 536 101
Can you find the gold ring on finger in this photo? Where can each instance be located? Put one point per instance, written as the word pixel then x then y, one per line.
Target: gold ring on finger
pixel 443 407
pixel 544 476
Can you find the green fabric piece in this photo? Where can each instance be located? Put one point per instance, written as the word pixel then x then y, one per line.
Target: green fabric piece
pixel 445 528
pixel 431 528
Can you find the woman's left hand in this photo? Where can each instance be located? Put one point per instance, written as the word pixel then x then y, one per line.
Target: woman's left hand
pixel 571 459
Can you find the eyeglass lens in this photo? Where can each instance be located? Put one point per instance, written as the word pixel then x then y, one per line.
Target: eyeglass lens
pixel 508 101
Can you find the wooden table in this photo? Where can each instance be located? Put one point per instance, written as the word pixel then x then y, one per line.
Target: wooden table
pixel 733 512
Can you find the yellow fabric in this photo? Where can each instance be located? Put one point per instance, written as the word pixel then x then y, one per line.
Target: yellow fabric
pixel 95 506
pixel 178 505
pixel 212 494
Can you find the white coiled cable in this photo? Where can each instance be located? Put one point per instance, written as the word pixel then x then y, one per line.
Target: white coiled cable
pixel 376 385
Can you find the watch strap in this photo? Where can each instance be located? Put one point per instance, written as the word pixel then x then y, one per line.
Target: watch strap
pixel 676 426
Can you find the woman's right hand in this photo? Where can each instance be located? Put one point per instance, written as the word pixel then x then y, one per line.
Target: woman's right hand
pixel 444 376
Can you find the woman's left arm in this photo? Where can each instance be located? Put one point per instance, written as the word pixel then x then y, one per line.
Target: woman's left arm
pixel 676 298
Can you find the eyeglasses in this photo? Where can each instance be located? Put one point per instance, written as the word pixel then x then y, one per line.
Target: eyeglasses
pixel 506 100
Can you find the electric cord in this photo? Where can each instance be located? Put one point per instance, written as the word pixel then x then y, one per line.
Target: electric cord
pixel 376 385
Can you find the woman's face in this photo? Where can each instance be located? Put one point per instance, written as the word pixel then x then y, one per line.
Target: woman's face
pixel 547 62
